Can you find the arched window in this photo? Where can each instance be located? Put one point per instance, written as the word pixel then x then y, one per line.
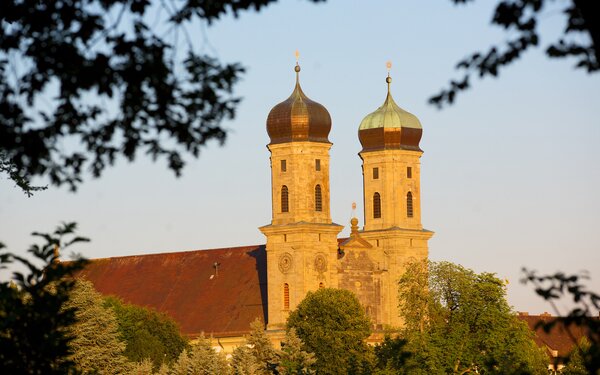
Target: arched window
pixel 321 285
pixel 284 199
pixel 409 205
pixel 318 199
pixel 286 296
pixel 376 206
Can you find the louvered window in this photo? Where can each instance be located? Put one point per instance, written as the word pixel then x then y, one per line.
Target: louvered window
pixel 376 206
pixel 286 296
pixel 284 199
pixel 409 204
pixel 318 199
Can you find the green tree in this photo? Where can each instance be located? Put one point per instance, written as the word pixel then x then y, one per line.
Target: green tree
pixel 333 325
pixel 392 355
pixel 143 367
pixel 293 359
pixel 519 18
pixel 261 348
pixel 469 326
pixel 243 361
pixel 166 99
pixel 34 319
pixel 182 365
pixel 204 360
pixel 576 364
pixel 96 345
pixel 147 333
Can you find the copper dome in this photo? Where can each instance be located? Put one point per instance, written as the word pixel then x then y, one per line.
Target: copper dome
pixel 390 127
pixel 298 119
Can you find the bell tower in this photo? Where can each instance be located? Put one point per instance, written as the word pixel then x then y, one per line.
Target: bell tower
pixel 391 155
pixel 301 239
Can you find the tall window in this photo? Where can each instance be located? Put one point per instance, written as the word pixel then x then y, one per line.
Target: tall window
pixel 409 205
pixel 375 173
pixel 376 206
pixel 318 164
pixel 286 296
pixel 284 199
pixel 408 172
pixel 283 166
pixel 318 199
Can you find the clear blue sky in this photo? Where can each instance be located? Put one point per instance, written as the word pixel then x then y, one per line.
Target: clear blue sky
pixel 510 174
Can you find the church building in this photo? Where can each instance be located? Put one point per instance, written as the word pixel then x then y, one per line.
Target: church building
pixel 219 292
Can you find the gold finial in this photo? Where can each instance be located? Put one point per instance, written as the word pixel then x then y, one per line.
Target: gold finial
pixel 297 67
pixel 388 79
pixel 353 220
pixel 56 253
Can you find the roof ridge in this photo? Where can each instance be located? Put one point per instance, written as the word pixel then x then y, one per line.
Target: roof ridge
pixel 178 252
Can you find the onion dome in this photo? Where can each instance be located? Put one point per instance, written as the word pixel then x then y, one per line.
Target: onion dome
pixel 298 118
pixel 390 127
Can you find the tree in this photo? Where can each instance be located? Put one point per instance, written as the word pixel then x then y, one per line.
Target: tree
pixel 576 364
pixel 96 346
pixel 142 368
pixel 206 361
pixel 293 360
pixel 202 359
pixel 580 39
pixel 182 365
pixel 114 80
pixel 391 355
pixel 261 348
pixel 8 168
pixel 469 325
pixel 243 361
pixel 333 325
pixel 34 319
pixel 147 333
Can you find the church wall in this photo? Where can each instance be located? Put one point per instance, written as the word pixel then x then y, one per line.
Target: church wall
pixel 393 185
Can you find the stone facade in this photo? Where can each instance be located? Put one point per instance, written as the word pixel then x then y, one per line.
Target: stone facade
pixel 303 252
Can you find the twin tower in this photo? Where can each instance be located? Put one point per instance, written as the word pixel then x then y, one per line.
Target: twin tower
pixel 303 249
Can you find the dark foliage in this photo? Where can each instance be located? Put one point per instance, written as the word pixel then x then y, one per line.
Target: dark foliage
pixel 83 82
pixel 148 334
pixel 559 285
pixel 8 168
pixel 519 18
pixel 392 354
pixel 33 322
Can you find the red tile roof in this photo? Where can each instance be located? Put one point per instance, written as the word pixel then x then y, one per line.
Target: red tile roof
pixel 186 286
pixel 559 338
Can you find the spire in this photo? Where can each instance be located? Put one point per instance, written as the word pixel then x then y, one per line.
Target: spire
pixel 298 118
pixel 389 126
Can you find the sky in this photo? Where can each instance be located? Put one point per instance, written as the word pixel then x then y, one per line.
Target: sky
pixel 510 172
